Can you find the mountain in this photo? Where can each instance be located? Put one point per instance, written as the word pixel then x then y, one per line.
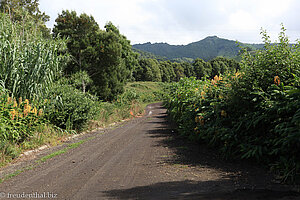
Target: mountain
pixel 146 54
pixel 206 49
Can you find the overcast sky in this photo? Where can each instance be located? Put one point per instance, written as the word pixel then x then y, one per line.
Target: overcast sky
pixel 186 21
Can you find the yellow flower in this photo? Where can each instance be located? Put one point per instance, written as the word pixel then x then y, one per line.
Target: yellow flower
pixel 202 95
pixel 223 113
pixel 9 100
pixel 199 119
pixel 217 78
pixel 25 112
pixel 40 112
pixel 26 101
pixel 276 80
pixel 28 108
pixel 20 100
pixel 15 104
pixel 34 110
pixel 13 114
pixel 213 82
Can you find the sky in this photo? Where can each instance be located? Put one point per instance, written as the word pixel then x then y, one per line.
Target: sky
pixel 180 22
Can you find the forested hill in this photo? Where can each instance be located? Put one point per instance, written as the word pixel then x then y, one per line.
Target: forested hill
pixel 206 49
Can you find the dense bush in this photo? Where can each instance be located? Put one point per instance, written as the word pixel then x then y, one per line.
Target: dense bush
pixel 252 114
pixel 68 107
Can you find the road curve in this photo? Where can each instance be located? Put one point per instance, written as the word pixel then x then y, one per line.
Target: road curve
pixel 142 159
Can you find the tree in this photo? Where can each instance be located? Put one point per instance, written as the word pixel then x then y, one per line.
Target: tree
pixel 179 71
pixel 188 69
pixel 128 55
pixel 106 55
pixel 201 68
pixel 167 71
pixel 111 64
pixel 81 32
pixel 24 10
pixel 13 7
pixel 149 70
pixel 221 65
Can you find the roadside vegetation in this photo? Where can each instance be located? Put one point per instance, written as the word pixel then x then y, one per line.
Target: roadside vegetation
pixel 80 77
pixel 251 114
pixel 54 85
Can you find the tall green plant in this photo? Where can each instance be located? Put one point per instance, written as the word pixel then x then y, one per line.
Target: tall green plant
pixel 29 63
pixel 253 114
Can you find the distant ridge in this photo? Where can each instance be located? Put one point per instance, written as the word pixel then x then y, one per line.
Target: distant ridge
pixel 207 49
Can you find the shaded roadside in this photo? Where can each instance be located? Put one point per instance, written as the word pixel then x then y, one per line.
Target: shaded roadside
pixel 205 175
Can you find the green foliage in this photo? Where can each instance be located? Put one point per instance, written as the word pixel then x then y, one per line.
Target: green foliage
pixel 189 69
pixel 252 114
pixel 178 70
pixel 24 11
pixel 201 68
pixel 145 55
pixel 9 149
pixel 81 80
pixel 18 119
pixel 167 71
pixel 13 8
pixel 143 92
pixel 280 59
pixel 152 70
pixel 114 63
pixel 221 65
pixel 148 71
pixel 29 63
pixel 69 108
pixel 81 32
pixel 105 55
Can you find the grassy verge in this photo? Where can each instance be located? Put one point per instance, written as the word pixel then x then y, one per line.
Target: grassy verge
pixel 62 151
pixel 130 104
pixel 44 159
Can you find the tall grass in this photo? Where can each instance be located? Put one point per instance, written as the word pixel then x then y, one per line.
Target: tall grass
pixel 29 63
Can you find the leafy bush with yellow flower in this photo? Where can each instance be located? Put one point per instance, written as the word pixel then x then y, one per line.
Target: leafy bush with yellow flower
pixel 252 114
pixel 18 118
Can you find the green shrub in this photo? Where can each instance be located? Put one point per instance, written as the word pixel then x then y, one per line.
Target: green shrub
pixel 253 114
pixel 8 149
pixel 69 108
pixel 18 119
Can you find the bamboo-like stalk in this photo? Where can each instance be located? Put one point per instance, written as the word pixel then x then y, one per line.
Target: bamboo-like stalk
pixel 29 63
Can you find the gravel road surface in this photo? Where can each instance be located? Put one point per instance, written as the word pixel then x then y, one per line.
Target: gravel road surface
pixel 143 158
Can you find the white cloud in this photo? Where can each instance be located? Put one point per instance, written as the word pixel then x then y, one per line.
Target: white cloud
pixel 181 22
pixel 242 21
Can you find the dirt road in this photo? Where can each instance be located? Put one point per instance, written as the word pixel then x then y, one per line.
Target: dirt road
pixel 142 159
